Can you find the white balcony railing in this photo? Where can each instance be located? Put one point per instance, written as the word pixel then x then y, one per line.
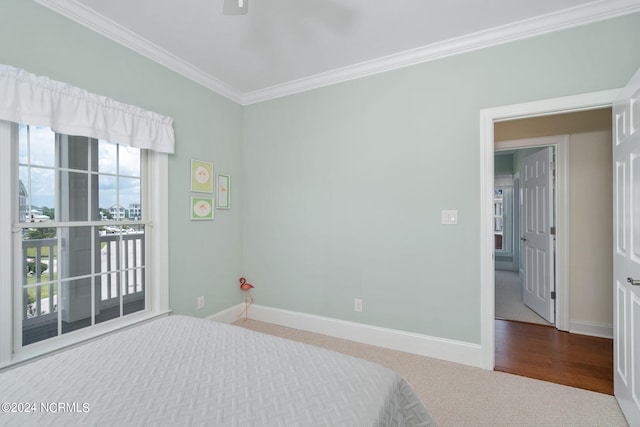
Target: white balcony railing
pixel 39 306
pixel 120 273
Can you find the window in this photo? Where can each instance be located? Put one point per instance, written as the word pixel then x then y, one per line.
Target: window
pixel 498 218
pixel 503 214
pixel 76 270
pixel 82 264
pixel 83 223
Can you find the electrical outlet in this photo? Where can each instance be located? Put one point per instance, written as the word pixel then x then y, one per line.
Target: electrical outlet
pixel 357 305
pixel 200 302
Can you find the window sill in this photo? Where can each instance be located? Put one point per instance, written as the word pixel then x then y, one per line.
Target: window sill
pixel 72 339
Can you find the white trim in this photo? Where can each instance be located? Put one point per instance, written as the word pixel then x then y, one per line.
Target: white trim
pixel 602 330
pixel 563 244
pixel 6 243
pixel 423 345
pixel 488 117
pixel 158 199
pixel 517 217
pixel 89 18
pixel 229 315
pixel 563 235
pixel 568 18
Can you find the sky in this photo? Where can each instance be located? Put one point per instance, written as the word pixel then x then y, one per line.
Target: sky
pixel 38 146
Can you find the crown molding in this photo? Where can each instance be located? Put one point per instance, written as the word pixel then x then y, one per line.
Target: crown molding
pixel 593 12
pixel 89 18
pixel 599 10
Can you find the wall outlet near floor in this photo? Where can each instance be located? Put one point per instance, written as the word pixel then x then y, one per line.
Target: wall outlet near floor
pixel 357 305
pixel 200 302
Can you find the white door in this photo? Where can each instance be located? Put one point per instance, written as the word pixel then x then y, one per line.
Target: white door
pixel 537 184
pixel 626 253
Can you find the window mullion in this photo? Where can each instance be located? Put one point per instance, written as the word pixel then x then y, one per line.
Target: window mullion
pixel 58 212
pixel 90 202
pixel 61 295
pixel 93 276
pixel 120 275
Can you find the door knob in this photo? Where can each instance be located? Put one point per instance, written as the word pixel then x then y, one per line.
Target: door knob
pixel 633 281
pixel 524 239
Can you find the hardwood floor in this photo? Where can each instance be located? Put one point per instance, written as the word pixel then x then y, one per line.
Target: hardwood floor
pixel 545 353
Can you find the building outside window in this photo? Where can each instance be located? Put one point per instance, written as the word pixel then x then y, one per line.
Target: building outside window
pixel 135 212
pixel 117 212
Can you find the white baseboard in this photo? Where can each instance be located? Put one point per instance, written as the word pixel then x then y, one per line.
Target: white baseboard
pixel 229 315
pixel 423 345
pixel 601 330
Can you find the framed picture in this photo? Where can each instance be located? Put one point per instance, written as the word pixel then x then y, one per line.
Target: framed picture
pixel 224 192
pixel 201 208
pixel 201 176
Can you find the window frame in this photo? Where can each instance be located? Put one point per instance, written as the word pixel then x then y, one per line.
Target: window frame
pixel 155 194
pixel 506 183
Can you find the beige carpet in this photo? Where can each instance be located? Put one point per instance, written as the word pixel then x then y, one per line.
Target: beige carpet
pixel 509 303
pixel 460 395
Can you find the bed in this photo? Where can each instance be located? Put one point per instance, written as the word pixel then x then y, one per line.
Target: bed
pixel 183 371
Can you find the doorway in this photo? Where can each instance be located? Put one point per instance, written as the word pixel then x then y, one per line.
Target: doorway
pixel 515 287
pixel 488 118
pixel 557 278
pixel 589 175
pixel 580 224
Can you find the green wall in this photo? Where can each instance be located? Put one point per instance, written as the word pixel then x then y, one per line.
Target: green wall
pixel 337 191
pixel 205 257
pixel 503 164
pixel 344 185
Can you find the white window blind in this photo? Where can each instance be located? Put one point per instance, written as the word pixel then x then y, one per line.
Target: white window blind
pixel 38 100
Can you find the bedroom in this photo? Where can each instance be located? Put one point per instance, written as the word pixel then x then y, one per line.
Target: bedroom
pixel 338 191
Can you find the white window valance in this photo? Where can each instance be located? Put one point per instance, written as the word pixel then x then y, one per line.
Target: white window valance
pixel 40 101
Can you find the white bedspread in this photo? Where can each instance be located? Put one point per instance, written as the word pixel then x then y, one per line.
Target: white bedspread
pixel 183 371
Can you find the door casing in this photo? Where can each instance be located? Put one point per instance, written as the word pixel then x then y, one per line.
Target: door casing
pixel 562 257
pixel 488 117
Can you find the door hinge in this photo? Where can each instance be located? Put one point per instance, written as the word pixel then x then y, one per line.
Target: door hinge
pixel 553 231
pixel 553 294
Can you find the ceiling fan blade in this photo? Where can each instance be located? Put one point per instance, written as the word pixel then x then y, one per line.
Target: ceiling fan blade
pixel 235 7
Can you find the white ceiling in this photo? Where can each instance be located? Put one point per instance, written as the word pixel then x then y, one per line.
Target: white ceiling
pixel 286 46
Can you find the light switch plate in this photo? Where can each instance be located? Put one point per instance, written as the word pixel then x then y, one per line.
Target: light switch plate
pixel 449 217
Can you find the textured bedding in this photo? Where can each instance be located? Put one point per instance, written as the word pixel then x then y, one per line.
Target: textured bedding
pixel 185 371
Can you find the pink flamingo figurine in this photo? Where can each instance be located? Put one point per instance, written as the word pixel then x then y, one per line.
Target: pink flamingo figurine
pixel 248 299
